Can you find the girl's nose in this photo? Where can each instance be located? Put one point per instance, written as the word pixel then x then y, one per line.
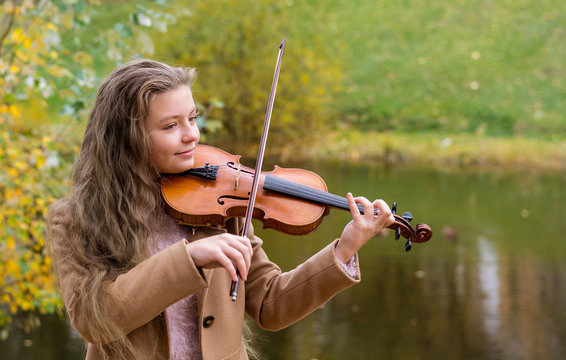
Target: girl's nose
pixel 190 134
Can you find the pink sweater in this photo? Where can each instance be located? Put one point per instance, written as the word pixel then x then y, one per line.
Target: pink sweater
pixel 183 315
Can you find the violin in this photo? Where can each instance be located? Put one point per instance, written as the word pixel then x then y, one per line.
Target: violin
pixel 292 201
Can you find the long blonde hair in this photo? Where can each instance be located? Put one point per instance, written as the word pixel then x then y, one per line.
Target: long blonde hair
pixel 114 190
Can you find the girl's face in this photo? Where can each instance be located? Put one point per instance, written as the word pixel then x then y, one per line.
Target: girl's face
pixel 171 125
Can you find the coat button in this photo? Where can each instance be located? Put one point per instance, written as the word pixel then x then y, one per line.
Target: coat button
pixel 208 321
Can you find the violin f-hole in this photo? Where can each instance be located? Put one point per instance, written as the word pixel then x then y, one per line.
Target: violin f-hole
pixel 221 202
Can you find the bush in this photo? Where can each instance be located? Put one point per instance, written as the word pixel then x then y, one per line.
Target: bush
pixel 235 45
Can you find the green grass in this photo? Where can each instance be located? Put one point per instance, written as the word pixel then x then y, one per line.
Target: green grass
pixel 493 67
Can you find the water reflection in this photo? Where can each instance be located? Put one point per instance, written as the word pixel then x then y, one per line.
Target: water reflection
pixel 488 282
pixel 493 289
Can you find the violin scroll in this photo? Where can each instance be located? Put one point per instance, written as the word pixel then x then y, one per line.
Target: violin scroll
pixel 402 227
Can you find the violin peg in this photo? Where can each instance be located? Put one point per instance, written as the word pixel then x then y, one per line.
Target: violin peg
pixel 397 233
pixel 407 216
pixel 394 208
pixel 408 245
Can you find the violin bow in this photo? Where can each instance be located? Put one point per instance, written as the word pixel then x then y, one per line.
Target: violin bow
pixel 259 161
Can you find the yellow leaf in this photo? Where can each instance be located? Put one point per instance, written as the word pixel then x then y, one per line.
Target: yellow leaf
pixel 11 267
pixel 16 33
pixel 34 266
pixel 26 305
pixel 14 69
pixel 14 111
pixel 27 43
pixel 51 26
pixel 39 161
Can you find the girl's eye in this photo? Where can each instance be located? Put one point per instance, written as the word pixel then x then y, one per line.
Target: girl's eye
pixel 169 126
pixel 194 117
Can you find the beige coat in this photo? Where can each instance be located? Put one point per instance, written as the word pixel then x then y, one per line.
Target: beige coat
pixel 137 299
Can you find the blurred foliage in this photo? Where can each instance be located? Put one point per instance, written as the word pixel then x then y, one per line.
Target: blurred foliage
pixel 234 44
pixel 29 67
pixel 48 77
pixel 32 178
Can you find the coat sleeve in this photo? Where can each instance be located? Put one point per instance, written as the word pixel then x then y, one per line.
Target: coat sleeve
pixel 135 297
pixel 276 300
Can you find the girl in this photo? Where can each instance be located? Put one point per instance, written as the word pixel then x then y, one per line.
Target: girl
pixel 135 283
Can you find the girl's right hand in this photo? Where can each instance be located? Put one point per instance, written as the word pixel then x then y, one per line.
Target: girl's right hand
pixel 227 250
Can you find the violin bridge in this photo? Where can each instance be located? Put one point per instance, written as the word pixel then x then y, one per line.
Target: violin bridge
pixel 237 181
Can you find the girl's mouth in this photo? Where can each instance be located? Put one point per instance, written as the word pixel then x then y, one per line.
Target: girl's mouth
pixel 187 153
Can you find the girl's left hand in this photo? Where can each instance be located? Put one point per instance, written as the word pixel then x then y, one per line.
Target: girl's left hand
pixel 362 227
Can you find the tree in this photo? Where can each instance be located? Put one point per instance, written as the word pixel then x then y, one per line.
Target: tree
pixel 49 67
pixel 234 46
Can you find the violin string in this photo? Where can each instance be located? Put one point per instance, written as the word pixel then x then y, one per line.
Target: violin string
pixel 291 188
pixel 298 190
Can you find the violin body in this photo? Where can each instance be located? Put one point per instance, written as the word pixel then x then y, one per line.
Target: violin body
pixel 198 201
pixel 293 201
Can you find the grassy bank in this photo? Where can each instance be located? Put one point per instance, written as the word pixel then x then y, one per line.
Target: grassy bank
pixel 493 67
pixel 460 150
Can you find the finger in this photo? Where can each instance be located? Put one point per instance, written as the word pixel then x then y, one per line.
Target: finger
pixel 239 259
pixel 352 204
pixel 246 241
pixel 367 205
pixel 243 246
pixel 225 262
pixel 382 207
pixel 384 212
pixel 390 220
